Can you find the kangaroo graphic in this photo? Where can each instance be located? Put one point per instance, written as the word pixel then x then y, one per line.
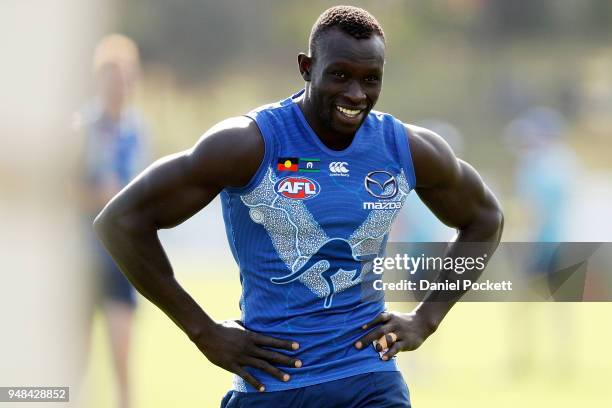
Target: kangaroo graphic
pixel 328 252
pixel 295 233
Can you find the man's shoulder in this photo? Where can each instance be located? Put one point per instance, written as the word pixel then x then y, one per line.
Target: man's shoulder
pixel 421 134
pixel 235 134
pixel 233 149
pixel 431 154
pixel 282 104
pixel 418 137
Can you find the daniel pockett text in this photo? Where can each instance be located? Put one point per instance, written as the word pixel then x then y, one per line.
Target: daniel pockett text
pixel 423 264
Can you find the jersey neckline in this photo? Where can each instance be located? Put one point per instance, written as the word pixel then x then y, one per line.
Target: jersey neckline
pixel 313 136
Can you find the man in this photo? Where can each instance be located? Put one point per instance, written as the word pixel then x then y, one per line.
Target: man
pixel 309 186
pixel 115 141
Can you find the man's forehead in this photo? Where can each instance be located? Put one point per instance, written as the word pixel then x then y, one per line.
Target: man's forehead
pixel 336 46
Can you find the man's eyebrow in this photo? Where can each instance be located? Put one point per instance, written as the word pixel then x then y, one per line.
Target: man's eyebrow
pixel 343 64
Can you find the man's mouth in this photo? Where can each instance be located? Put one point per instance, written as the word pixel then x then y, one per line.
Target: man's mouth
pixel 350 113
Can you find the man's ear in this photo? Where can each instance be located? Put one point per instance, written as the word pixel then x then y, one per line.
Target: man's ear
pixel 305 65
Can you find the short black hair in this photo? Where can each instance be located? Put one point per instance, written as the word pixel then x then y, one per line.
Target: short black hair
pixel 354 21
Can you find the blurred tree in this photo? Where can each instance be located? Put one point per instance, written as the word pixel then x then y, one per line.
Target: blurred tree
pixel 504 17
pixel 194 37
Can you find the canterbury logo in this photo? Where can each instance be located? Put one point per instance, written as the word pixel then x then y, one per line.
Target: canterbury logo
pixel 338 167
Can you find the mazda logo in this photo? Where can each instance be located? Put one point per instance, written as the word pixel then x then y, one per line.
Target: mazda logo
pixel 381 184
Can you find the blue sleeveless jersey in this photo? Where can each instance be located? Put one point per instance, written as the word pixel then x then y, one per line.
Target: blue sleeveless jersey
pixel 304 231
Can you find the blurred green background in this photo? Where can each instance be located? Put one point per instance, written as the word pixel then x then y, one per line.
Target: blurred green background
pixel 483 355
pixel 469 69
pixel 474 65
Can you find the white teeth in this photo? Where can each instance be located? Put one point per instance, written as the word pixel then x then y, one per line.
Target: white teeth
pixel 348 112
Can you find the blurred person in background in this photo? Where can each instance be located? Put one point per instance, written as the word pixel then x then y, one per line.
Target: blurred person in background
pixel 316 163
pixel 547 170
pixel 115 143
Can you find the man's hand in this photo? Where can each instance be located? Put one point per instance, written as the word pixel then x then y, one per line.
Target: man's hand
pixel 167 193
pixel 232 347
pixel 400 332
pixel 456 194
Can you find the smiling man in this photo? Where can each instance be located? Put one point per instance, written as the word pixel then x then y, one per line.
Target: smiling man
pixel 322 177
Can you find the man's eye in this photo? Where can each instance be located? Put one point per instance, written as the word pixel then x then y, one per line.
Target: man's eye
pixel 339 74
pixel 371 78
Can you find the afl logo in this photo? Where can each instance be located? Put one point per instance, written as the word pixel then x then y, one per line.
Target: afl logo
pixel 297 188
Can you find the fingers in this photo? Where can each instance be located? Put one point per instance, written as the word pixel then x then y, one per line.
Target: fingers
pixel 395 348
pixel 262 340
pixel 381 318
pixel 277 358
pixel 375 334
pixel 386 341
pixel 250 379
pixel 261 358
pixel 389 339
pixel 268 368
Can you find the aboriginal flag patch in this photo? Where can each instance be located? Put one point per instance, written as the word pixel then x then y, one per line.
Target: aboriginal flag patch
pixel 287 164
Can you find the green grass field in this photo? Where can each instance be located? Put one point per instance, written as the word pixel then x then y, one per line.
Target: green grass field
pixel 483 355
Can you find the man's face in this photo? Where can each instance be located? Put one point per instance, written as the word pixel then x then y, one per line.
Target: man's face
pixel 345 79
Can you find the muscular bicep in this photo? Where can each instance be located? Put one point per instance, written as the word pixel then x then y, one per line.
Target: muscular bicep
pixel 448 186
pixel 165 194
pixel 457 202
pixel 176 187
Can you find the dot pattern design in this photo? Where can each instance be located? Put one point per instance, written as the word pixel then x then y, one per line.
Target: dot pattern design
pixel 296 235
pixel 294 232
pixel 369 237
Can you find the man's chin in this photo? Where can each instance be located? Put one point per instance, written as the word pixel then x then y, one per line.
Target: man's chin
pixel 346 129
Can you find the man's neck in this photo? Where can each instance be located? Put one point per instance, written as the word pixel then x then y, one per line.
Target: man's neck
pixel 327 136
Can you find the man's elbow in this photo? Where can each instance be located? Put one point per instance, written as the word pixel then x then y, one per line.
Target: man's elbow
pixel 112 220
pixel 492 221
pixel 486 225
pixel 103 223
pixel 118 219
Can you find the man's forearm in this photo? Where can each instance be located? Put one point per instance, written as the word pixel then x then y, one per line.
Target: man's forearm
pixel 478 240
pixel 141 257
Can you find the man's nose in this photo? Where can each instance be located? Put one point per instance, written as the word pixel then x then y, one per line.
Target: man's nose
pixel 355 93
